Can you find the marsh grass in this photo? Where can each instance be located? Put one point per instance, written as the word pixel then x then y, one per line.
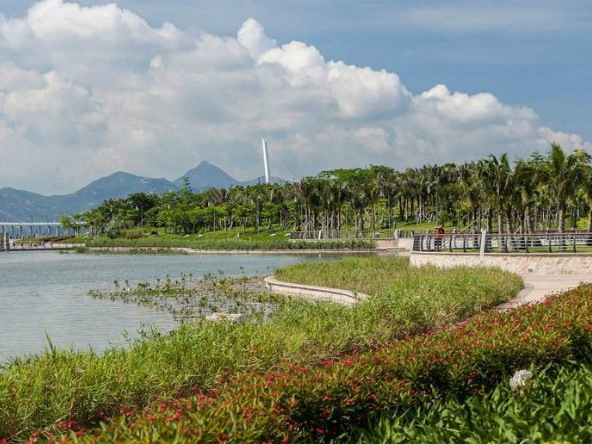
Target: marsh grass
pixel 83 388
pixel 188 297
pixel 408 300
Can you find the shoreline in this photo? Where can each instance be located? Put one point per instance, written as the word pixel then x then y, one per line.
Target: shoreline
pixel 185 250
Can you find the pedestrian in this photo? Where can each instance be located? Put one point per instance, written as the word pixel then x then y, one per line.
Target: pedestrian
pixel 439 236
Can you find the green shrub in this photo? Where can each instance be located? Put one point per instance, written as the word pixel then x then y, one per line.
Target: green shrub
pixel 115 240
pixel 556 408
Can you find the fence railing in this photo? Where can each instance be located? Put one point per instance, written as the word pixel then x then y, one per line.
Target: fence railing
pixel 577 242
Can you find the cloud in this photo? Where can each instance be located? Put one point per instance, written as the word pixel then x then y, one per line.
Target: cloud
pixel 252 36
pixel 86 91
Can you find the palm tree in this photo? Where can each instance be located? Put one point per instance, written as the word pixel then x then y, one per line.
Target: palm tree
pixel 587 189
pixel 527 176
pixel 471 199
pixel 496 180
pixel 563 175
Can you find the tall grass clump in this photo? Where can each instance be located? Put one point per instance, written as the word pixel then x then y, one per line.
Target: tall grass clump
pixel 374 275
pixel 405 299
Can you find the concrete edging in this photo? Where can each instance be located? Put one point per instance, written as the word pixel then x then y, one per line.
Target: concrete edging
pixel 525 264
pixel 336 295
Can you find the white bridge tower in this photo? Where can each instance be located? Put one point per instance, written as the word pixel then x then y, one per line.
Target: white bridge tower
pixel 265 159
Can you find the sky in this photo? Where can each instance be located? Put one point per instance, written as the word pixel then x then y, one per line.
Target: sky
pixel 154 87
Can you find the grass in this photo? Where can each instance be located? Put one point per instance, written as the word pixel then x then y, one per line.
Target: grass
pixel 333 396
pixel 239 244
pixel 375 275
pixel 62 388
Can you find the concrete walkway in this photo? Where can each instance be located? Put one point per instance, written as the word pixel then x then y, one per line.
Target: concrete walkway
pixel 536 288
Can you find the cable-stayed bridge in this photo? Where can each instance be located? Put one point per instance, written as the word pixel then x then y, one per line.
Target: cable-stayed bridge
pixel 275 169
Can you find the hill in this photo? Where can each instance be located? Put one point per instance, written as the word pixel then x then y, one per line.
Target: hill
pixel 25 206
pixel 205 176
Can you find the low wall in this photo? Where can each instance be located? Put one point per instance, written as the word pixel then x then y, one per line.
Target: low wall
pixel 401 243
pixel 535 264
pixel 343 297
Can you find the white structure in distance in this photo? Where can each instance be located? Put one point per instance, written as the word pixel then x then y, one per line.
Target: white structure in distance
pixel 265 159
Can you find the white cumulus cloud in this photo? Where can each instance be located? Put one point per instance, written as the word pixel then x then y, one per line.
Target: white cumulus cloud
pixel 86 91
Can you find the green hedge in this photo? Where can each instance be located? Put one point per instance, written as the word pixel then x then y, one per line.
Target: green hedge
pixel 233 244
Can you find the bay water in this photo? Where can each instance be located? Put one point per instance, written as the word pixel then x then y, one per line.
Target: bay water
pixel 44 295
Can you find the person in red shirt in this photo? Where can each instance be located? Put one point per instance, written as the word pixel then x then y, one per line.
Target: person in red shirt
pixel 439 235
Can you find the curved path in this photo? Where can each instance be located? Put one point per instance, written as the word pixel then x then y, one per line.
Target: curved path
pixel 536 288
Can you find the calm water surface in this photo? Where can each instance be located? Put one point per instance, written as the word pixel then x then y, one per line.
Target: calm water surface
pixel 44 294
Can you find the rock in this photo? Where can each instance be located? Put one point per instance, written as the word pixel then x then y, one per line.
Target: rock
pixel 231 317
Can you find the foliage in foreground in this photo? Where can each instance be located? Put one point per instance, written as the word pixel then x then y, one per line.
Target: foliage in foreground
pixel 79 389
pixel 555 408
pixel 333 396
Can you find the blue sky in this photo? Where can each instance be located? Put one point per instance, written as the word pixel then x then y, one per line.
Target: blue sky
pixel 445 81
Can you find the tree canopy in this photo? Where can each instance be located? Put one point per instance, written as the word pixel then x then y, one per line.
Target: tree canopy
pixel 538 193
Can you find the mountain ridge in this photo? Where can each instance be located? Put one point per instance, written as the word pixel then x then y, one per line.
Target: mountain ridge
pixel 26 206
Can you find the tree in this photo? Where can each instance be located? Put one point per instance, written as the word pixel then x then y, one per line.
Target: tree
pixel 563 175
pixel 496 181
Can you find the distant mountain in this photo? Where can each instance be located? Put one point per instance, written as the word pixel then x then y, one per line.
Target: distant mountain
pixel 24 206
pixel 116 185
pixel 205 176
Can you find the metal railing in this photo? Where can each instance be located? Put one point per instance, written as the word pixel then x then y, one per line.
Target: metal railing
pixel 576 242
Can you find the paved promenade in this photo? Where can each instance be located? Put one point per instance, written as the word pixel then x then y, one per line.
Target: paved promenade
pixel 536 288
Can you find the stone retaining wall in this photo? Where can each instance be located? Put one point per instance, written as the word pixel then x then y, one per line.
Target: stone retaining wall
pixel 343 297
pixel 535 264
